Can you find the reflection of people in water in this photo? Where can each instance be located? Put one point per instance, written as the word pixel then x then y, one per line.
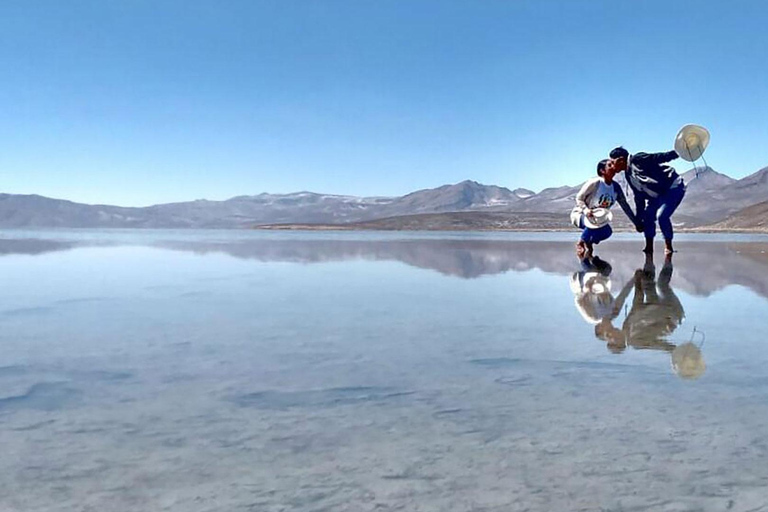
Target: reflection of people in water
pixel 594 300
pixel 592 290
pixel 655 313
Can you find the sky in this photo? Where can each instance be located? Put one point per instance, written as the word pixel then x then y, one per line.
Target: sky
pixel 138 102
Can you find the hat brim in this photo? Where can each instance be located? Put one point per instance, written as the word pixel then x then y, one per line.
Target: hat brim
pixel 602 216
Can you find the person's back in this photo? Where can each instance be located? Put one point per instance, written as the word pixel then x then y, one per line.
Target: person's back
pixel 648 175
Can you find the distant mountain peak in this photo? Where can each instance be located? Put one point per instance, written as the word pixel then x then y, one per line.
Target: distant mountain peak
pixel 706 178
pixel 523 193
pixel 474 185
pixel 705 170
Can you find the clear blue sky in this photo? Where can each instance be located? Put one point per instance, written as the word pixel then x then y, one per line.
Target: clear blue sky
pixel 135 102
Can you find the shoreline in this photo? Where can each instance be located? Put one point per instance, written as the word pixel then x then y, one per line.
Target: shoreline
pixel 333 227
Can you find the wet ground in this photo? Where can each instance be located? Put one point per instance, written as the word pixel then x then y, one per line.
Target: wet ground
pixel 201 371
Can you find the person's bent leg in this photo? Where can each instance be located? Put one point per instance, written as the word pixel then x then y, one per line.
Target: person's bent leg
pixel 584 247
pixel 649 223
pixel 601 233
pixel 586 235
pixel 596 236
pixel 581 245
pixel 591 236
pixel 670 201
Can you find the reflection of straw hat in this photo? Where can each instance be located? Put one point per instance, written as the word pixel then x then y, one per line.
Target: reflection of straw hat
pixel 586 310
pixel 599 218
pixel 590 282
pixel 595 282
pixel 691 141
pixel 687 361
pixel 592 296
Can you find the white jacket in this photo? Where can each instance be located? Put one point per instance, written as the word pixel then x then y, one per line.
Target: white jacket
pixel 588 198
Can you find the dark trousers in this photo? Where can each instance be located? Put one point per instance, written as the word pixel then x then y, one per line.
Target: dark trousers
pixel 661 208
pixel 594 236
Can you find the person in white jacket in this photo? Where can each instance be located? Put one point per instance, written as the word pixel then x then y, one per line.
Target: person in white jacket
pixel 599 192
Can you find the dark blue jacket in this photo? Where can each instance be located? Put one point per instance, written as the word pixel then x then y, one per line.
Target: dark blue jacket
pixel 649 177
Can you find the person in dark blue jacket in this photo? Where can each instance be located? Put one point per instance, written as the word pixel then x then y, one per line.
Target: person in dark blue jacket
pixel 657 188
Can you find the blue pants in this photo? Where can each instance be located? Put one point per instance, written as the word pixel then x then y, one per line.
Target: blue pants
pixel 661 208
pixel 595 236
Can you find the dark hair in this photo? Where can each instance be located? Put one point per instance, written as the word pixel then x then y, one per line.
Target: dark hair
pixel 601 166
pixel 619 152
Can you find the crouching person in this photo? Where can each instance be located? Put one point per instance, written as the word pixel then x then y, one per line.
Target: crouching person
pixel 593 202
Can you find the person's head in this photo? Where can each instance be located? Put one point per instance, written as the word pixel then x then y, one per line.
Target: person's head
pixel 601 165
pixel 614 337
pixel 619 157
pixel 606 169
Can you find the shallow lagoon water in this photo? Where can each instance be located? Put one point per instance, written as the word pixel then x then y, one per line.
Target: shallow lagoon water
pixel 201 371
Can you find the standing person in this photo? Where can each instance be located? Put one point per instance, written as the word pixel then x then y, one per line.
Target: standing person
pixel 600 192
pixel 658 191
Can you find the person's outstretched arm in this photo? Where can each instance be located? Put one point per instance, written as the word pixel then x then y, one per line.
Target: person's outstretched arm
pixel 656 158
pixel 621 298
pixel 622 200
pixel 639 207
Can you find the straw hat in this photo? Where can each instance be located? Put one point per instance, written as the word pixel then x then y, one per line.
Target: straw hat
pixel 599 218
pixel 687 361
pixel 691 141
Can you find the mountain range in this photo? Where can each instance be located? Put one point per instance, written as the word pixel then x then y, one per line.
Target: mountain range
pixel 711 198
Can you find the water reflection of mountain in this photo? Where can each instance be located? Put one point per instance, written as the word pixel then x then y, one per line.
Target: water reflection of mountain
pixel 32 246
pixel 701 267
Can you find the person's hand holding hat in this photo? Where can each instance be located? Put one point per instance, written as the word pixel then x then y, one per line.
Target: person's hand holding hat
pixel 596 218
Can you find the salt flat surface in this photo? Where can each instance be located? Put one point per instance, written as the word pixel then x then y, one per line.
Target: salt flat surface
pixel 202 371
